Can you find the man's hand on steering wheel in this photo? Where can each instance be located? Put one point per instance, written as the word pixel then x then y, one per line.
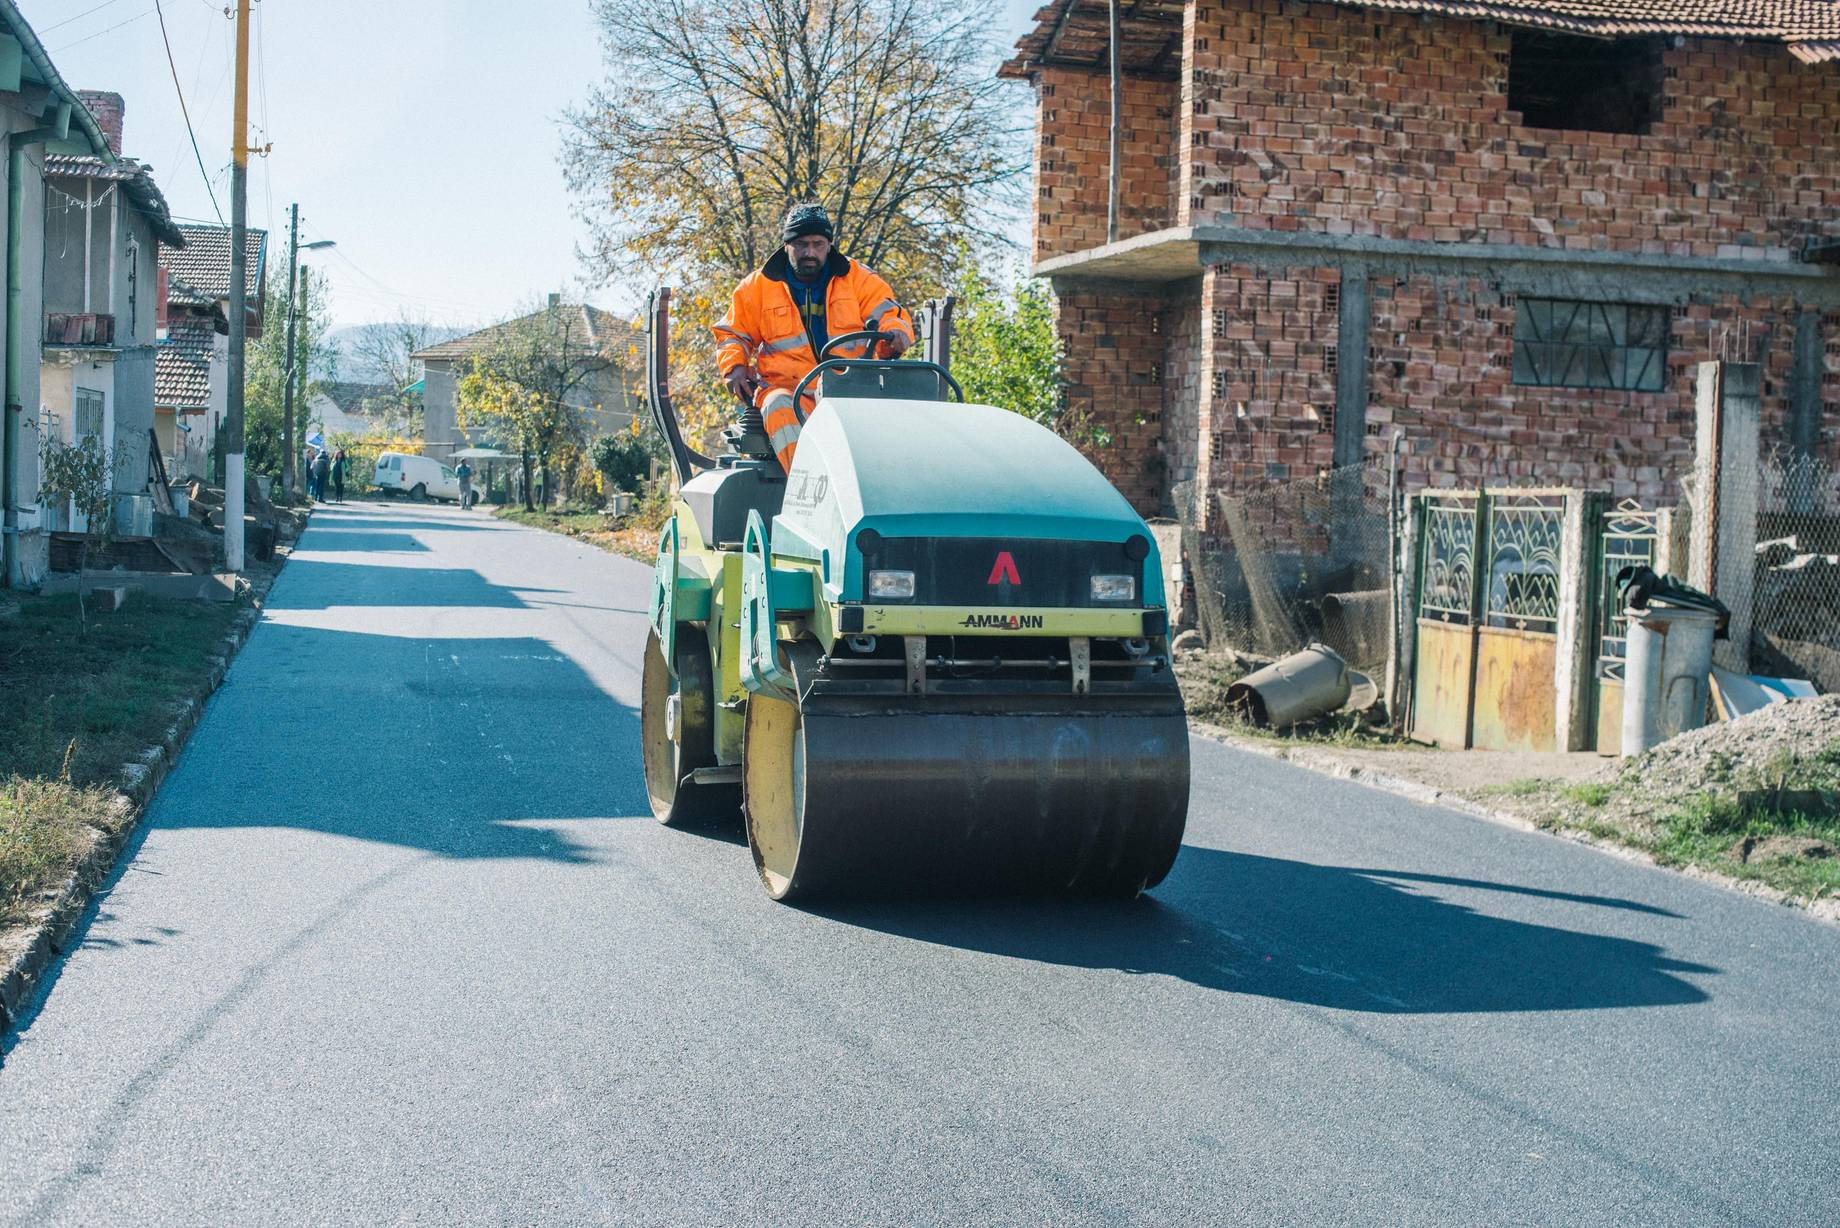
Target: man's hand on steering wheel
pixel 743 382
pixel 893 345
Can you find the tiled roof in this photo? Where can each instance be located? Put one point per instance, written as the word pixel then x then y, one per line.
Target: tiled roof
pixel 180 294
pixel 182 366
pixel 204 262
pixel 599 332
pixel 135 179
pixel 1074 32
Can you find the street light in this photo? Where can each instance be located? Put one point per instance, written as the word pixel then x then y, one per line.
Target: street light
pixel 290 477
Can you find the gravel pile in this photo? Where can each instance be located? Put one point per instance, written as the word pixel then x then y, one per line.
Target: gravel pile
pixel 1719 756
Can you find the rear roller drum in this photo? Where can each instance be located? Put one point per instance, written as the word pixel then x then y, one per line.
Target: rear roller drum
pixel 677 718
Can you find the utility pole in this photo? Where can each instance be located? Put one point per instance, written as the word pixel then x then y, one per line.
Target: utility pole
pixel 288 458
pixel 239 321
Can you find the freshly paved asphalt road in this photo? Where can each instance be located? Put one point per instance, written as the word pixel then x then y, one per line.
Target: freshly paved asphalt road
pixel 397 946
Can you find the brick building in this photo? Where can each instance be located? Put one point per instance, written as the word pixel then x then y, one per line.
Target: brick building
pixel 1509 229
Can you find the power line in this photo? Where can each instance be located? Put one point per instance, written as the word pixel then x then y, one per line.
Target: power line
pixel 212 192
pixel 98 34
pixel 79 17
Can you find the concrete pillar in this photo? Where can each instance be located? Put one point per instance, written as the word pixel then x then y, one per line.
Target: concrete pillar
pixel 1575 629
pixel 1351 367
pixel 1805 403
pixel 1723 548
pixel 1345 525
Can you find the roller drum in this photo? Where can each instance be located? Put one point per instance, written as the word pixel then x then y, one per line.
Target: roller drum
pixel 945 795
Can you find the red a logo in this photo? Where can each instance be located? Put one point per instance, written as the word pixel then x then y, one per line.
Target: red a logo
pixel 1004 571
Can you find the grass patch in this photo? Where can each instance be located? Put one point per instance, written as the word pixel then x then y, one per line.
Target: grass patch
pixel 75 706
pixel 1786 798
pixel 1526 786
pixel 1593 794
pixel 634 536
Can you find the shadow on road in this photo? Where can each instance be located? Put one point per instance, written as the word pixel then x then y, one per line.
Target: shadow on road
pixel 324 521
pixel 462 747
pixel 340 538
pixel 1336 936
pixel 311 584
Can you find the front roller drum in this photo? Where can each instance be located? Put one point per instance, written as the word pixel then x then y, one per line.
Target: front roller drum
pixel 677 733
pixel 843 798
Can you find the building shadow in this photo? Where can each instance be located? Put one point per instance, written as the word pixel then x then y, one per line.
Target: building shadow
pixel 315 584
pixel 1354 939
pixel 421 524
pixel 342 538
pixel 461 747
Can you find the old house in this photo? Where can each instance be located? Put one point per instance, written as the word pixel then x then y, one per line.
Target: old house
pixel 589 335
pixel 104 220
pixel 1509 230
pixel 56 149
pixel 192 385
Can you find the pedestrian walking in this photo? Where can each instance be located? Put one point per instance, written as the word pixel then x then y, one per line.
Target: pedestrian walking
pixel 339 463
pixel 322 469
pixel 464 471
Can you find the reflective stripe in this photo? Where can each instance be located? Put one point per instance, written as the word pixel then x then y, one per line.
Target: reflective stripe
pixel 783 344
pixel 779 398
pixel 734 336
pixel 874 318
pixel 784 437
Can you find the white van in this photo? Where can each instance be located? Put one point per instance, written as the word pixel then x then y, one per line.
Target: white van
pixel 419 477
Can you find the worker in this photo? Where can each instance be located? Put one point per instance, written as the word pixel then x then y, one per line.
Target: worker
pixel 783 313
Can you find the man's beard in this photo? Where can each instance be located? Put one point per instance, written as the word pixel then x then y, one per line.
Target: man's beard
pixel 808 268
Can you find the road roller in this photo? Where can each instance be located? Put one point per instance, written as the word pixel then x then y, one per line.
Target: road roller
pixel 932 657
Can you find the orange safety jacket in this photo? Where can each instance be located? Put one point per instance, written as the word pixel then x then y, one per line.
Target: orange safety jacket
pixel 763 329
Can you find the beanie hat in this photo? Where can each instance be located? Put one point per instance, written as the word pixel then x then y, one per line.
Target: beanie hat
pixel 808 218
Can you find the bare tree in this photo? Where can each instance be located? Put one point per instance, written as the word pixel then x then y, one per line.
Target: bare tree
pixel 718 114
pixel 384 350
pixel 527 380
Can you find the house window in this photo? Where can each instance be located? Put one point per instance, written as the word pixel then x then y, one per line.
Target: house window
pixel 1566 343
pixel 88 414
pixel 1584 84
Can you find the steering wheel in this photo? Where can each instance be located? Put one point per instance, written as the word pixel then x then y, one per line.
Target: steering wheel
pixel 873 336
pixel 841 364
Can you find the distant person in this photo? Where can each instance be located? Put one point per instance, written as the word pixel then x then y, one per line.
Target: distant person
pixel 322 469
pixel 338 476
pixel 464 471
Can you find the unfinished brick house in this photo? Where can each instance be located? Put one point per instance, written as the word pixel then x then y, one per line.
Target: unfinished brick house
pixel 1509 229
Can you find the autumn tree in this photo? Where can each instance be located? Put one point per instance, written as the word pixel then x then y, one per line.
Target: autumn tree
pixel 315 366
pixel 716 115
pixel 528 382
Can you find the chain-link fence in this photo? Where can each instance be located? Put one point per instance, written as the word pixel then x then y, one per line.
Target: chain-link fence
pixel 1795 585
pixel 1307 560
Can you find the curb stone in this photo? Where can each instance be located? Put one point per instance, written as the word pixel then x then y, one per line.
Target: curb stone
pixel 52 931
pixel 1327 763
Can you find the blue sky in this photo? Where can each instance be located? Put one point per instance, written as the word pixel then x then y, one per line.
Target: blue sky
pixel 421 135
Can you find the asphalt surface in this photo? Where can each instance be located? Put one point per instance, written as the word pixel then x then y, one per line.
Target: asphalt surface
pixel 398 947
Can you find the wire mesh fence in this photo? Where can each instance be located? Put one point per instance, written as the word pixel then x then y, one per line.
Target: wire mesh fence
pixel 1295 562
pixel 1794 598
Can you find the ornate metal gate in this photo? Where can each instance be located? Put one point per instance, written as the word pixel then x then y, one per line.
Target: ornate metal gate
pixel 1488 612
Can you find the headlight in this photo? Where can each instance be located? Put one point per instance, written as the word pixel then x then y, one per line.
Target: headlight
pixel 1114 588
pixel 891 585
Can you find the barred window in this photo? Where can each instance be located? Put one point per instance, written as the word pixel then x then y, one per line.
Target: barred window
pixel 1566 343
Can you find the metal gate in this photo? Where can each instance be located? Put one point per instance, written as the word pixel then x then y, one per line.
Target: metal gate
pixel 1630 535
pixel 1487 619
